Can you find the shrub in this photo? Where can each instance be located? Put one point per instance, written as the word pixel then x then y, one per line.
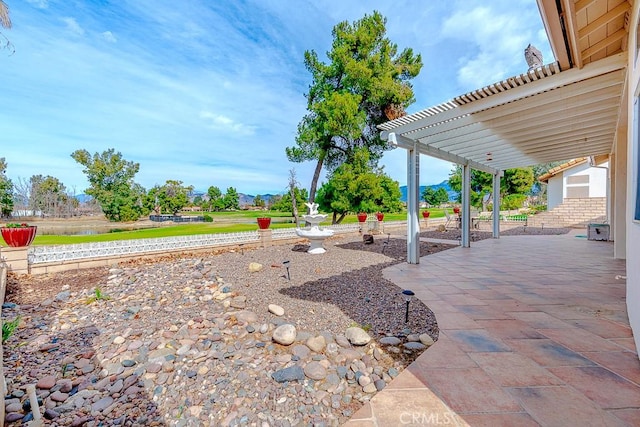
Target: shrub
pixel 8 328
pixel 513 201
pixel 208 218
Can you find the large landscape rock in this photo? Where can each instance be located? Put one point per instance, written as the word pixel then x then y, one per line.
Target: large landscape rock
pixel 357 336
pixel 285 334
pixel 292 373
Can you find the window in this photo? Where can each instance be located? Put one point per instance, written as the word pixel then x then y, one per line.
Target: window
pixel 577 187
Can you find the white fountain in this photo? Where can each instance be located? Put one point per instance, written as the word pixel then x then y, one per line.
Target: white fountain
pixel 314 233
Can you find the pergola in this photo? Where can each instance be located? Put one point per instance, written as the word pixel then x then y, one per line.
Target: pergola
pixel 539 116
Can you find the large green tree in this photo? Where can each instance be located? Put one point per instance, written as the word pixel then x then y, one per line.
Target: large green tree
pixel 216 201
pixel 111 184
pixel 169 197
pixel 365 83
pixel 358 187
pixel 48 195
pixel 435 197
pixel 284 203
pixel 6 191
pixel 514 181
pixel 231 199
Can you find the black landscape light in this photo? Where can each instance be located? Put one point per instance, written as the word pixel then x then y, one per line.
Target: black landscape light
pixel 408 296
pixel 286 265
pixel 386 243
pixel 241 248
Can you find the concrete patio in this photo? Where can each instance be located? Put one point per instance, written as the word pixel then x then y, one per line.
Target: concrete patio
pixel 533 331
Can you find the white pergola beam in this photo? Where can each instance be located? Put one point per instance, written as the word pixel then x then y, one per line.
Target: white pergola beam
pixel 603 106
pixel 521 145
pixel 605 119
pixel 568 97
pixel 591 70
pixel 406 143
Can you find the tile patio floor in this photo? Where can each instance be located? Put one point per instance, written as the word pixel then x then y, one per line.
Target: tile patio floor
pixel 533 332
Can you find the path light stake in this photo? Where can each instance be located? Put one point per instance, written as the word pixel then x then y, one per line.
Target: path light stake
pixel 35 409
pixel 384 246
pixel 408 296
pixel 286 265
pixel 241 248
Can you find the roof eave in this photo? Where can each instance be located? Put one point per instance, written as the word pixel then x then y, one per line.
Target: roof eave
pixel 556 30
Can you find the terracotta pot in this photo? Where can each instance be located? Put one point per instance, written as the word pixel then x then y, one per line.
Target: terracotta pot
pixel 18 236
pixel 456 210
pixel 426 214
pixel 380 216
pixel 362 217
pixel 264 223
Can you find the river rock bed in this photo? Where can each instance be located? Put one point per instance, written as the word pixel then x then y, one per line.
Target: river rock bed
pixel 217 339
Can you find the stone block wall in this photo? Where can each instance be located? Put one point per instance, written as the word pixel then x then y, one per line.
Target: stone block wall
pixel 573 213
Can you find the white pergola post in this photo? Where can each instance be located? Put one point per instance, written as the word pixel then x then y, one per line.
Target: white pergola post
pixel 466 205
pixel 496 205
pixel 413 190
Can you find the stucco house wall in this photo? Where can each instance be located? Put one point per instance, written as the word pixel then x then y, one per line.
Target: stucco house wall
pixel 555 191
pixel 633 168
pixel 579 181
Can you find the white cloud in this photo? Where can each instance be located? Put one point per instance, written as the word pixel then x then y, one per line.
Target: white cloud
pixel 224 123
pixel 73 26
pixel 492 40
pixel 108 36
pixel 41 4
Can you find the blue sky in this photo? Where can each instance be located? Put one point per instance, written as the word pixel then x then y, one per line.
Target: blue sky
pixel 211 92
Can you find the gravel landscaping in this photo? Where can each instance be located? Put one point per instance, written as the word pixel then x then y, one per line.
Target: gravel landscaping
pixel 192 340
pixel 222 338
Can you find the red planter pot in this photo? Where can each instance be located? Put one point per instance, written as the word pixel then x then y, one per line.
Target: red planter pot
pixel 19 236
pixel 426 214
pixel 362 217
pixel 264 223
pixel 456 210
pixel 380 216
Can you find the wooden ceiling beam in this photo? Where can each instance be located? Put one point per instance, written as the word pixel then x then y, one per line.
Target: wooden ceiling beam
pixel 605 43
pixel 571 27
pixel 603 20
pixel 581 4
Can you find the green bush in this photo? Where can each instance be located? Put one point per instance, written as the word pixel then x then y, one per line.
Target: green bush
pixel 513 201
pixel 8 328
pixel 208 218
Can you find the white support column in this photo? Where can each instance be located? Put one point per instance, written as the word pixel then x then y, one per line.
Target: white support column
pixel 413 190
pixel 496 205
pixel 466 206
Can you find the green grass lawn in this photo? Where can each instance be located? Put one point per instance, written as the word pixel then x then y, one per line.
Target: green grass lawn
pixel 220 224
pixel 169 231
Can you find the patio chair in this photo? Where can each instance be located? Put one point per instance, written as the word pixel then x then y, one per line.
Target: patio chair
pixel 450 219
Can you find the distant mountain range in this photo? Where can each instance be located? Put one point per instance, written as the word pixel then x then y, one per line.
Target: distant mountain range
pixel 83 198
pixel 247 199
pixel 444 184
